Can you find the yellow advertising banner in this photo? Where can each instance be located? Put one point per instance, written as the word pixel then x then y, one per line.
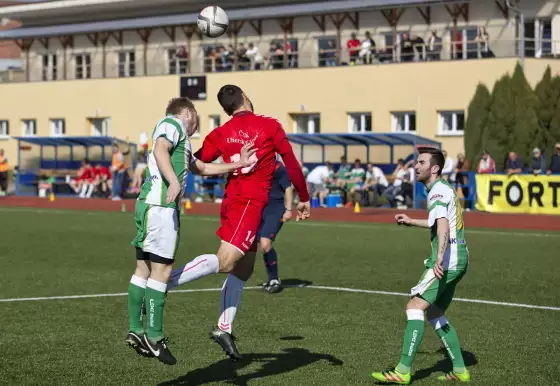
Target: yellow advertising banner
pixel 518 194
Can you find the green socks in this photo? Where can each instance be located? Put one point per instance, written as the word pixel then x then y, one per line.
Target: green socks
pixel 412 338
pixel 155 300
pixel 136 291
pixel 450 341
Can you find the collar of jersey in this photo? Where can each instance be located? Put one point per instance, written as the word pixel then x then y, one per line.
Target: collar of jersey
pixel 433 183
pixel 241 113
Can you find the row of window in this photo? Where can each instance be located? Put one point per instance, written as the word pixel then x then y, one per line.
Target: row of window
pixel 449 122
pixel 98 126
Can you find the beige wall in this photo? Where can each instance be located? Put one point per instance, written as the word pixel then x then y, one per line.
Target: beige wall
pixel 135 104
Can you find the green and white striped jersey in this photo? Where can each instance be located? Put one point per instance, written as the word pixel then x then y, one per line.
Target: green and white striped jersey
pixel 155 186
pixel 443 202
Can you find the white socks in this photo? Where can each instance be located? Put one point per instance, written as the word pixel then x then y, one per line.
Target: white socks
pixel 202 266
pixel 231 296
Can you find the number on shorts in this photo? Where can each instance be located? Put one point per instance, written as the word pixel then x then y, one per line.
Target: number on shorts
pixel 250 239
pixel 245 170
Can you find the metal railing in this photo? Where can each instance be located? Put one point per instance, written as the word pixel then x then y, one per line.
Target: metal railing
pixel 161 61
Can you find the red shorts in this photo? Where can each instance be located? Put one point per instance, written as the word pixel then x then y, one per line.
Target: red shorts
pixel 240 219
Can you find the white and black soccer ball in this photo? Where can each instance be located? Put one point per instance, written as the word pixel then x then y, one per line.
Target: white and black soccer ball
pixel 213 22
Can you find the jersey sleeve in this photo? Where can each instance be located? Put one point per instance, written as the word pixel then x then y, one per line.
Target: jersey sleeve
pixel 210 149
pixel 293 168
pixel 167 131
pixel 283 178
pixel 438 205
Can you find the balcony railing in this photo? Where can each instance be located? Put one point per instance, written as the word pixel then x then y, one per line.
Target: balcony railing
pixel 159 61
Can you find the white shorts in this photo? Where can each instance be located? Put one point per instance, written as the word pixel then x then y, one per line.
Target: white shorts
pixel 157 229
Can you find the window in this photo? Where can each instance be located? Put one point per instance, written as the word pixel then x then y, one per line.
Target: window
pixel 127 64
pixel 28 127
pixel 538 38
pixel 404 122
pixel 100 126
pixel 49 67
pixel 178 60
pixel 58 127
pixel 83 66
pixel 215 122
pixel 359 122
pixel 307 123
pixel 464 46
pixel 326 51
pixel 451 122
pixel 4 128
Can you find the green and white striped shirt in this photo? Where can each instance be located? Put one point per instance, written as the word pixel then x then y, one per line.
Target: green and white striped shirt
pixel 155 186
pixel 443 202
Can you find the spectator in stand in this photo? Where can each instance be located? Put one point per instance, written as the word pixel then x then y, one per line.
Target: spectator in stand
pixel 367 49
pixel 255 56
pixel 357 176
pixel 395 189
pixel 486 164
pixel 482 40
pixel 83 179
pixel 328 55
pixel 316 183
pixel 182 57
pixel 353 46
pixel 407 49
pixel 141 166
pixel 343 178
pixel 461 176
pixel 243 61
pixel 118 170
pixel 419 46
pixel 3 173
pixel 102 180
pixel 538 163
pixel 375 182
pixel 448 172
pixel 514 164
pixel 555 161
pixel 434 47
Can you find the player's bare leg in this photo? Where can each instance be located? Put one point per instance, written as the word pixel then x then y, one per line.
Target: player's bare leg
pixel 136 293
pixel 231 297
pixel 273 284
pixel 156 288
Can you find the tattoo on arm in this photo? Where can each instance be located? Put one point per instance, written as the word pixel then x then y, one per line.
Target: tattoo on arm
pixel 443 243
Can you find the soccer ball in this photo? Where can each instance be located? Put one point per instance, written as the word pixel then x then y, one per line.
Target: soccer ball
pixel 213 22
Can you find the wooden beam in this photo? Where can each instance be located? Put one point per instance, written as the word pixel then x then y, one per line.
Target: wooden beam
pixel 338 19
pixel 118 35
pixel 170 32
pixel 426 13
pixel 257 26
pixel 93 38
pixel 24 44
pixel 235 27
pixel 44 42
pixel 144 34
pixel 104 37
pixel 502 6
pixel 393 15
pixel 67 41
pixel 355 19
pixel 190 30
pixel 457 11
pixel 320 21
pixel 287 24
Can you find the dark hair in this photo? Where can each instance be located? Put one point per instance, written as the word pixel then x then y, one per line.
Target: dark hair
pixel 437 157
pixel 230 98
pixel 357 161
pixel 176 105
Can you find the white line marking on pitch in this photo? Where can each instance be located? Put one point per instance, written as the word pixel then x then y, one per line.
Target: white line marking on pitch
pixel 320 287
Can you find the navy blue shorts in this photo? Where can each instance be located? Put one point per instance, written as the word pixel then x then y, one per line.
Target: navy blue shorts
pixel 271 220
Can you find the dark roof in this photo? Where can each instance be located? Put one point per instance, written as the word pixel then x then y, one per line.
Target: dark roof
pixel 73 141
pixel 236 14
pixel 362 139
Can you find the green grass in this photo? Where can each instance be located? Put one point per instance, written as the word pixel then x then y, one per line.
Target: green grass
pixel 301 336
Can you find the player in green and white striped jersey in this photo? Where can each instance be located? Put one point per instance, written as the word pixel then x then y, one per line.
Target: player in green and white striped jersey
pixel 157 222
pixel 445 267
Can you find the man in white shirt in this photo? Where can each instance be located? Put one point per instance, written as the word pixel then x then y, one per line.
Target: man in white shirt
pixel 375 181
pixel 448 172
pixel 316 182
pixel 398 177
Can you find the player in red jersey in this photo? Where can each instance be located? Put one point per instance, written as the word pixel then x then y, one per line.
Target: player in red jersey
pixel 245 197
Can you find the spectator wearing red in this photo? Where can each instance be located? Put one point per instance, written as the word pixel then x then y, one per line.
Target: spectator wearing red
pixel 353 46
pixel 486 164
pixel 83 179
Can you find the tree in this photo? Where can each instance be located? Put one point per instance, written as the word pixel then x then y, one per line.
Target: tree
pixel 524 133
pixel 500 122
pixel 477 119
pixel 553 133
pixel 548 94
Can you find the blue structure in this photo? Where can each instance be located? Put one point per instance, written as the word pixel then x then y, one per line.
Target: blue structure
pixel 367 140
pixel 29 176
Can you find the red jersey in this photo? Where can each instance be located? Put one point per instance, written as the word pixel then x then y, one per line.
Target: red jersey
pixel 103 171
pixel 353 45
pixel 267 135
pixel 86 174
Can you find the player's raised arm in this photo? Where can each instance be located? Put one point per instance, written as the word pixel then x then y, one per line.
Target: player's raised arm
pixel 163 161
pixel 295 173
pixel 210 169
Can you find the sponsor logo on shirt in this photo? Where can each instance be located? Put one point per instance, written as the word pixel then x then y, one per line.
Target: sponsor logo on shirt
pixel 453 241
pixel 243 141
pixel 435 197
